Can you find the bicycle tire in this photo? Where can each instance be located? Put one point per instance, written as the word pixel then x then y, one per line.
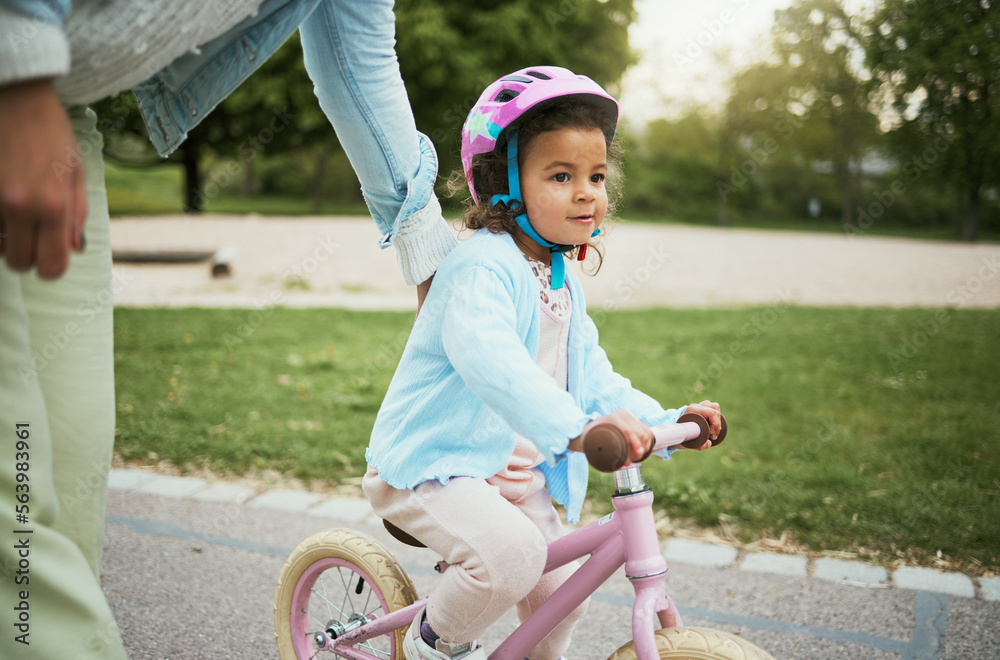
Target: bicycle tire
pixel 357 566
pixel 697 644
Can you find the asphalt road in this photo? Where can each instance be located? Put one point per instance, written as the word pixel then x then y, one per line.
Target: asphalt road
pixel 189 579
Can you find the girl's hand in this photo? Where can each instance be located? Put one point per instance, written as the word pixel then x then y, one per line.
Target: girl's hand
pixel 710 411
pixel 639 436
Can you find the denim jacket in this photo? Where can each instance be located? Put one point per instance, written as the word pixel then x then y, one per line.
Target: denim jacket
pixel 467 383
pixel 366 102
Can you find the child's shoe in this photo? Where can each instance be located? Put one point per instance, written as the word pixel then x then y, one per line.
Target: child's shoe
pixel 415 648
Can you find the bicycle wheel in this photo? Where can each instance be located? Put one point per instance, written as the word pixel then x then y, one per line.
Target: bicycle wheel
pixel 697 644
pixel 332 582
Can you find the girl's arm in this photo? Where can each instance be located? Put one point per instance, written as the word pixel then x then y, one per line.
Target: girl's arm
pixel 481 339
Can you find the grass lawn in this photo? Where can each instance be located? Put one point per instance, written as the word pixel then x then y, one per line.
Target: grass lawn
pixel 865 430
pixel 159 190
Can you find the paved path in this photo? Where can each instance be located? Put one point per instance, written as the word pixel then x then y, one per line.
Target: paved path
pixel 335 262
pixel 190 569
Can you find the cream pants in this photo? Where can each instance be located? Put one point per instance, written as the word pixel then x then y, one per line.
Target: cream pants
pixel 494 534
pixel 57 377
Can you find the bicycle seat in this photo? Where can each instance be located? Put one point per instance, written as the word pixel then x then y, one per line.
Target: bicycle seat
pixel 402 536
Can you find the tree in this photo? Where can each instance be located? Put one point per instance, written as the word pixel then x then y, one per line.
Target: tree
pixel 818 93
pixel 671 167
pixel 754 130
pixel 448 50
pixel 273 111
pixel 937 63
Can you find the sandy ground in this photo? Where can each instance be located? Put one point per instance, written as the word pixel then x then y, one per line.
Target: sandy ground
pixel 335 262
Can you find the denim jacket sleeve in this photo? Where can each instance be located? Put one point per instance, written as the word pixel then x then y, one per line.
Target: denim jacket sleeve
pixel 33 43
pixel 349 50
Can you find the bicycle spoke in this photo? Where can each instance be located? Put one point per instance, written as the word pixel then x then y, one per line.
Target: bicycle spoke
pixel 325 599
pixel 321 624
pixel 329 604
pixel 375 651
pixel 343 608
pixel 368 601
pixel 347 591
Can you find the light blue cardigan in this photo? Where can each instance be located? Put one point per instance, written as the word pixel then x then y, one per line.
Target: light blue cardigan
pixel 467 382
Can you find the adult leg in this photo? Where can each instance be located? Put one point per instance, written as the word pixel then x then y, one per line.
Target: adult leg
pixel 72 333
pixel 56 375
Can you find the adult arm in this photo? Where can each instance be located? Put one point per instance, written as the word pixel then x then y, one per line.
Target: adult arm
pixel 349 49
pixel 42 197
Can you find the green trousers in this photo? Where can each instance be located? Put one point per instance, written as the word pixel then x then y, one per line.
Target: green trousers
pixel 57 425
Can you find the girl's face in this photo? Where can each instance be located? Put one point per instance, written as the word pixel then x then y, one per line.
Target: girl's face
pixel 562 182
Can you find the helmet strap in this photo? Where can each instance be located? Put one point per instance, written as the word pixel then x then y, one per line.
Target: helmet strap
pixel 513 200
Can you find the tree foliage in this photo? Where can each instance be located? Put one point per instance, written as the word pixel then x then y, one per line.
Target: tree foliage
pixel 912 89
pixel 450 50
pixel 807 104
pixel 937 63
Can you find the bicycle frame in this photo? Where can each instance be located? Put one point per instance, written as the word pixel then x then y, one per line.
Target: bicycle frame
pixel 625 537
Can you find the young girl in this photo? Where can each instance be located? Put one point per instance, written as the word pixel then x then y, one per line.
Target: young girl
pixel 503 369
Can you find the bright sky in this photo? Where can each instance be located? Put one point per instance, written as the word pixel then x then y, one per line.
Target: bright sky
pixel 680 43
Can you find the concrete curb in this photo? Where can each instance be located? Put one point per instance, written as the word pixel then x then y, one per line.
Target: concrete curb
pixel 356 510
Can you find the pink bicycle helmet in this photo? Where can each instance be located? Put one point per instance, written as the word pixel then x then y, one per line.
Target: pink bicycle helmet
pixel 493 123
pixel 510 99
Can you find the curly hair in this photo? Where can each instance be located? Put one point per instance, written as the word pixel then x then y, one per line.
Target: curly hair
pixel 489 170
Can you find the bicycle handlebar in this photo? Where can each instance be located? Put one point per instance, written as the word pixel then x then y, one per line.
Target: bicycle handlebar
pixel 607 448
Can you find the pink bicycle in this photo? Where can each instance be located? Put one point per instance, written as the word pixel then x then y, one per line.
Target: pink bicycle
pixel 342 593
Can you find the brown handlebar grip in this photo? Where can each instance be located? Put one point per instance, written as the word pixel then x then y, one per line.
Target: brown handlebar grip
pixel 605 446
pixel 722 432
pixel 705 430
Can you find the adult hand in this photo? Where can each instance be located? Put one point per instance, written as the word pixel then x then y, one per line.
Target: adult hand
pixel 422 290
pixel 43 198
pixel 710 411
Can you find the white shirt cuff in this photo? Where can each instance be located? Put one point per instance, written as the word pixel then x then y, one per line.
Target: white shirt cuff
pixel 422 241
pixel 30 48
